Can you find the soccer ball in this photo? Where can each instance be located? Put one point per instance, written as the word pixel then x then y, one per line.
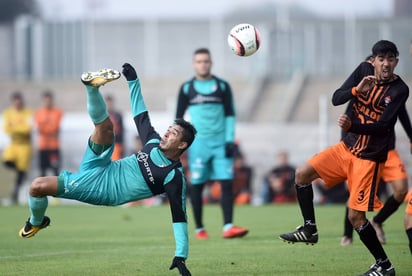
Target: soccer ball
pixel 244 40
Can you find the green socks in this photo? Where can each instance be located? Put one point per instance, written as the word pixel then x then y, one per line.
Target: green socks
pixel 96 106
pixel 38 206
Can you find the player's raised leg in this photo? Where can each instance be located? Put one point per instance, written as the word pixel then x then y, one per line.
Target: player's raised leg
pixel 307 233
pixel 102 136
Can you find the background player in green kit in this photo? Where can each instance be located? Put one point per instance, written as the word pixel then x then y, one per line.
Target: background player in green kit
pixel 211 109
pixel 100 181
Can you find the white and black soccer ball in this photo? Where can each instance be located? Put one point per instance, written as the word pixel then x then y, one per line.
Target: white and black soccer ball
pixel 244 39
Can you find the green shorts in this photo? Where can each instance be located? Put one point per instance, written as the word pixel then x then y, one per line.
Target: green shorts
pixel 207 161
pixel 101 181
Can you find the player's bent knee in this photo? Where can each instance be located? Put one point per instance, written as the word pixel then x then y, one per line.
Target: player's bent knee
pixel 36 187
pixel 40 187
pixel 356 218
pixel 399 195
pixel 304 175
pixel 400 189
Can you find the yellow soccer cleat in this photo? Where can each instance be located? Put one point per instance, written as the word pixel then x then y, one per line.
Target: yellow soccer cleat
pixel 100 77
pixel 30 230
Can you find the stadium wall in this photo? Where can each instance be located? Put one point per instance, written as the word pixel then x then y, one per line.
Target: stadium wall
pixel 44 50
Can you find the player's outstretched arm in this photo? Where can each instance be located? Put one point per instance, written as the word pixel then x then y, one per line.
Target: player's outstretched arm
pixel 138 106
pixel 344 93
pixel 137 103
pixel 179 263
pixel 176 193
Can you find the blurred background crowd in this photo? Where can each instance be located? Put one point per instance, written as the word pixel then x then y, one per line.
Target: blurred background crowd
pixel 282 93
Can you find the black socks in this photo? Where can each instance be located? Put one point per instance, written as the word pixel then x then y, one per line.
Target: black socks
pixel 367 235
pixel 391 205
pixel 348 228
pixel 196 200
pixel 226 201
pixel 305 199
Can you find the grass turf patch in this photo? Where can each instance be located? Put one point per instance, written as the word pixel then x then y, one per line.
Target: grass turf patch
pixel 90 240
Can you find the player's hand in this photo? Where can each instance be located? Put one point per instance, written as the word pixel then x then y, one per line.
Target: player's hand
pixel 344 122
pixel 365 85
pixel 129 72
pixel 179 262
pixel 230 149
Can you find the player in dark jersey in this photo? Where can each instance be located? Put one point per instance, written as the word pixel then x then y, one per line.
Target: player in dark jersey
pixel 209 102
pixel 155 169
pixel 360 157
pixel 394 170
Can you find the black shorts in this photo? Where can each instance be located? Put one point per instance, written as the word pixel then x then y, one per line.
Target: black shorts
pixel 49 159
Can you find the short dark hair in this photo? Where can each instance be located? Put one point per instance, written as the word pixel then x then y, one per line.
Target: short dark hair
pixel 189 131
pixel 202 51
pixel 384 47
pixel 48 94
pixel 16 96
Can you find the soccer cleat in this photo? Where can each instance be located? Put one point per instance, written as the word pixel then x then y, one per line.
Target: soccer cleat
pixel 202 235
pixel 234 232
pixel 30 230
pixel 345 241
pixel 377 270
pixel 100 77
pixel 379 231
pixel 300 235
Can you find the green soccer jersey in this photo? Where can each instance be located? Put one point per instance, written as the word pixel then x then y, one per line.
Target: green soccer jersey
pixel 210 106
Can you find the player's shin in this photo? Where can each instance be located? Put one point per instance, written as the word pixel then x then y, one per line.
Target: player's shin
pixel 227 201
pixel 96 106
pixel 197 206
pixel 304 195
pixel 368 236
pixel 390 207
pixel 38 206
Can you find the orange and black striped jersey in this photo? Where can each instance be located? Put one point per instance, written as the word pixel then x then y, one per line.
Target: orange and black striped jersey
pixel 373 116
pixel 366 69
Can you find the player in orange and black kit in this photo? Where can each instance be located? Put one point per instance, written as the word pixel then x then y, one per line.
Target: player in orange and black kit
pixel 394 170
pixel 360 157
pixel 48 119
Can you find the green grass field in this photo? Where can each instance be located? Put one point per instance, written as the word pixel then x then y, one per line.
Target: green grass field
pixel 88 240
